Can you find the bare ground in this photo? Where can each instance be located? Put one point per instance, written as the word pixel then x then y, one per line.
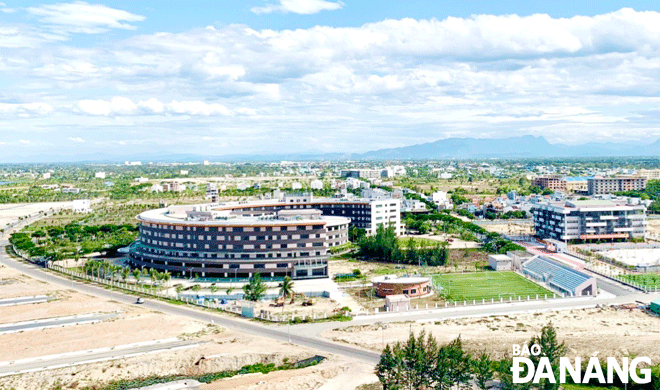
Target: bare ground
pixel 610 331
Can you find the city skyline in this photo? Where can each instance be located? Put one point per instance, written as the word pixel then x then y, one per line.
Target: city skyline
pixel 297 76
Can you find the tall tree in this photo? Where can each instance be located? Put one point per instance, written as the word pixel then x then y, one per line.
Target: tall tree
pixel 482 367
pixel 389 369
pixel 550 348
pixel 255 289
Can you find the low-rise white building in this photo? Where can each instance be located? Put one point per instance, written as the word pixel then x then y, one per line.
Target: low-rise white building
pixel 316 184
pixel 81 206
pixel 500 262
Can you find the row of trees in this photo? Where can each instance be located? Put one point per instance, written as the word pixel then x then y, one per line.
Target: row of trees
pixel 384 246
pixel 104 269
pixel 421 363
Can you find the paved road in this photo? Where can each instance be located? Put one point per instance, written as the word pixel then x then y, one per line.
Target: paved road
pixel 54 322
pixel 502 221
pixel 23 300
pixel 84 357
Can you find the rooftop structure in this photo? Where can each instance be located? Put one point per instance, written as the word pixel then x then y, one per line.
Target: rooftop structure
pixel 409 286
pixel 655 306
pixel 212 241
pixel 560 277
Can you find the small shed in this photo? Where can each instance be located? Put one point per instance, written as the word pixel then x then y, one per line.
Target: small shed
pixel 499 262
pixel 655 306
pixel 398 302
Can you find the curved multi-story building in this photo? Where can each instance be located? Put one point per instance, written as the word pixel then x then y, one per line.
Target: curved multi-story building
pixel 232 240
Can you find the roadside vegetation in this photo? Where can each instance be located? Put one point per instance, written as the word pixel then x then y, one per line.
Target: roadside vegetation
pixel 124 384
pixel 422 363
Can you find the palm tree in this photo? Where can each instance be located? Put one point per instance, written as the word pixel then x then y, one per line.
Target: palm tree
pixel 167 276
pixel 116 270
pixel 136 274
pixel 125 272
pixel 153 274
pixel 286 287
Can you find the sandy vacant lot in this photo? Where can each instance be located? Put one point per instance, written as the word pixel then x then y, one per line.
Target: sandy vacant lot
pixel 509 228
pixel 333 374
pixel 612 332
pixel 220 349
pixel 11 212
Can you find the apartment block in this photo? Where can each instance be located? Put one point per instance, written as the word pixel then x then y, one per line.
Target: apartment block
pixel 608 185
pixel 588 220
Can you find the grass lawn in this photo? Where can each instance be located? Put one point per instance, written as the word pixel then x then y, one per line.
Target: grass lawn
pixel 646 280
pixel 420 242
pixel 585 387
pixel 488 285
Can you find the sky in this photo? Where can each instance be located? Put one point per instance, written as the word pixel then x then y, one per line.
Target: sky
pixel 217 77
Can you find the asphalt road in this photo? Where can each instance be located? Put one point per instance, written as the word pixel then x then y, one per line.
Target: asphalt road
pixel 53 322
pixel 85 357
pixel 23 300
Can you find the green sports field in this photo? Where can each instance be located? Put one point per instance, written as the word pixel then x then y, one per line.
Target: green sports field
pixel 650 281
pixel 488 285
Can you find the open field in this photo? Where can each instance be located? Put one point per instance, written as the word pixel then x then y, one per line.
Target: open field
pixel 509 227
pixel 634 257
pixel 432 240
pixel 11 212
pixel 488 285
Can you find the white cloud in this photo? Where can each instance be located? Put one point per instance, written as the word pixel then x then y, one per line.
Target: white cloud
pixel 116 106
pixel 198 108
pixel 305 7
pixel 82 17
pixel 26 109
pixel 121 106
pixel 76 140
pixel 154 105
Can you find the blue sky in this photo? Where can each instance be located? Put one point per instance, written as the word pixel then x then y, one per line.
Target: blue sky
pixel 225 77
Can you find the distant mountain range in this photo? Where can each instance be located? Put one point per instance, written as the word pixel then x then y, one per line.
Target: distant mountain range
pixel 526 146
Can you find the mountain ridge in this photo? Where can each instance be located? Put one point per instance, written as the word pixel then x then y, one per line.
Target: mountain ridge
pixel 525 146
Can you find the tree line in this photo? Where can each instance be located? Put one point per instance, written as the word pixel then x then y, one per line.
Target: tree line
pixel 421 363
pixel 106 270
pixel 446 223
pixel 384 246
